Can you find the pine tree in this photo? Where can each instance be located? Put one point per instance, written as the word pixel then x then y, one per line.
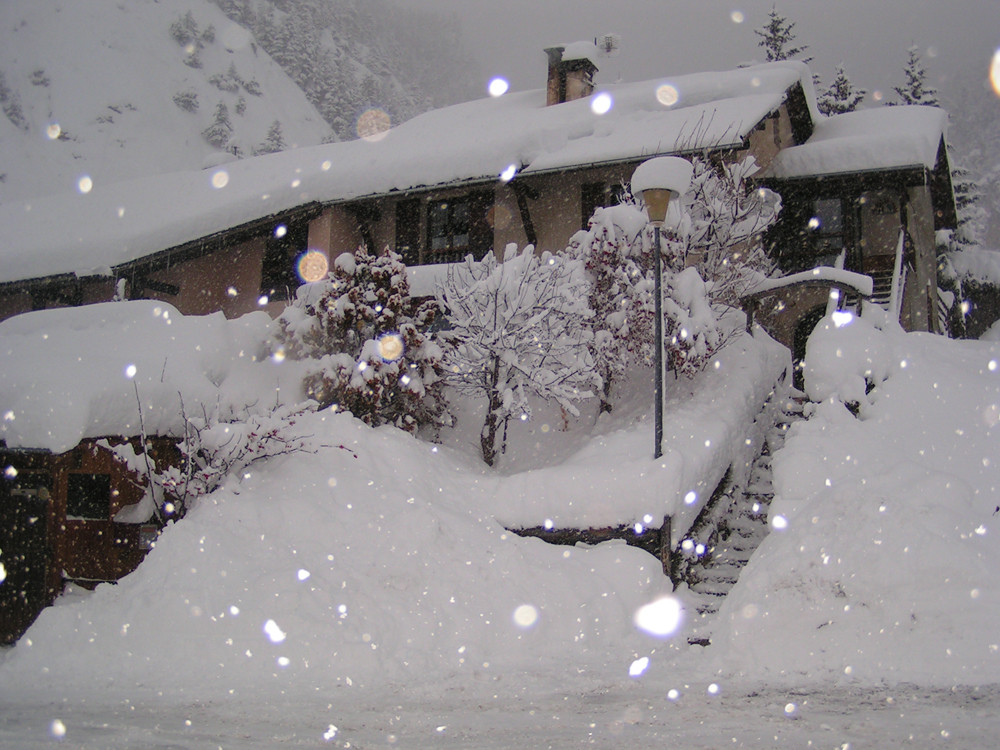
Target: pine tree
pixel 971 214
pixel 777 38
pixel 221 129
pixel 841 96
pixel 185 30
pixel 273 142
pixel 366 343
pixel 916 90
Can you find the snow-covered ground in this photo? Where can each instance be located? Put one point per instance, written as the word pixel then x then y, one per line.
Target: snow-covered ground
pixel 366 596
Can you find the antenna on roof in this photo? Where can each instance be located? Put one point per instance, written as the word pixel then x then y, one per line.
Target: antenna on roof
pixel 608 44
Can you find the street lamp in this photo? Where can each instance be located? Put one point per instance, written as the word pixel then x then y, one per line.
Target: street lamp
pixel 658 181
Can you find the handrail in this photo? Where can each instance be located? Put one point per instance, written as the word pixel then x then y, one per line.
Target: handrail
pixel 898 277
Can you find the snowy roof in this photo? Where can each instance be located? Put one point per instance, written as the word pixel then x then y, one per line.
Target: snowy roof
pixel 74 373
pixel 90 233
pixel 866 140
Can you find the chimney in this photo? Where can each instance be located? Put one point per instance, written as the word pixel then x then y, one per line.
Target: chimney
pixel 571 72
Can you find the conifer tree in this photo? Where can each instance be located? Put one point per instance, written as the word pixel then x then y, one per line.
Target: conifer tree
pixel 916 90
pixel 221 129
pixel 367 344
pixel 968 205
pixel 273 142
pixel 777 38
pixel 841 96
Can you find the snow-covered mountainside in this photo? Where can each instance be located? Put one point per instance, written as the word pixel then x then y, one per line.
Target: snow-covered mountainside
pixel 353 57
pixel 112 90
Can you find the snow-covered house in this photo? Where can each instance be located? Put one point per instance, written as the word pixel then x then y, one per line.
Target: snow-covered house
pixel 866 192
pixel 76 383
pixel 524 167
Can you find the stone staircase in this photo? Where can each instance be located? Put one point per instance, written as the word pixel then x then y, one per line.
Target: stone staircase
pixel 722 543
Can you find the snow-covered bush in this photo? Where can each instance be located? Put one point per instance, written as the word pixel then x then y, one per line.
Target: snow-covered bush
pixel 616 250
pixel 368 343
pixel 709 260
pixel 518 329
pixel 187 100
pixel 846 357
pixel 691 331
pixel 212 450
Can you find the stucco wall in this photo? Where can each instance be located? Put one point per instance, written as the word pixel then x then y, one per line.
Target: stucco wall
pixel 226 280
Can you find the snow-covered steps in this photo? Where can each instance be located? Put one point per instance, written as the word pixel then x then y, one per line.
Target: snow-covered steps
pixel 720 546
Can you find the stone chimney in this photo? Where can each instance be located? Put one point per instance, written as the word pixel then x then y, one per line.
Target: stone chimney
pixel 571 72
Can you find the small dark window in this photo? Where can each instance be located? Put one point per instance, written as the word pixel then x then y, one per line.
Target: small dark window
pixel 826 226
pixel 278 275
pixel 448 223
pixel 408 230
pixel 457 227
pixel 593 195
pixel 88 496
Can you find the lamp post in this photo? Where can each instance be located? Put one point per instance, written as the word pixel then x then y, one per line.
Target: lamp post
pixel 658 181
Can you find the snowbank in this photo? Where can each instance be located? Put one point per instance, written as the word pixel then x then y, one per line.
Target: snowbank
pixel 882 567
pixel 374 562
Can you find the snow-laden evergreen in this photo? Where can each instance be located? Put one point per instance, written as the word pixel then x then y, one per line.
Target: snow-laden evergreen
pixel 916 89
pixel 365 343
pixel 841 95
pixel 777 39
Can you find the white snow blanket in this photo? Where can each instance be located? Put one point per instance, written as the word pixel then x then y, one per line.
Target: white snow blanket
pixel 78 372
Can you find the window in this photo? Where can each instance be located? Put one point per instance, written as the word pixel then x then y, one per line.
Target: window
pixel 456 227
pixel 448 225
pixel 278 276
pixel 593 195
pixel 813 231
pixel 408 230
pixel 826 227
pixel 88 496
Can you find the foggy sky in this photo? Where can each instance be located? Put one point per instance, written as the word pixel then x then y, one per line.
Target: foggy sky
pixel 957 38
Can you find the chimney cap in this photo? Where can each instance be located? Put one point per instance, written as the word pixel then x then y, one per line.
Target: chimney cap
pixel 582 50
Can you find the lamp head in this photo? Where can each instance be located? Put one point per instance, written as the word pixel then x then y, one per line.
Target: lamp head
pixel 659 181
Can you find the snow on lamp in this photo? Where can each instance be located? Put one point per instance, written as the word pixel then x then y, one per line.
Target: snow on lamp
pixel 659 181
